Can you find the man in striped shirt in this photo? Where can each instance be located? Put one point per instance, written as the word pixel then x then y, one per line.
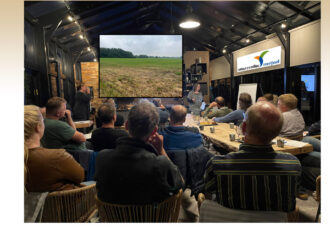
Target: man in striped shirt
pixel 256 177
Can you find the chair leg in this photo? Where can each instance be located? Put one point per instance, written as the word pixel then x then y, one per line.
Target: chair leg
pixel 318 213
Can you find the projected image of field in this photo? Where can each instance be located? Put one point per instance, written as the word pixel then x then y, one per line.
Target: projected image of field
pixel 140 77
pixel 140 65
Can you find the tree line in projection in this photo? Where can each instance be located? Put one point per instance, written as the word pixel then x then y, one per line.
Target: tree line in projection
pixel 119 53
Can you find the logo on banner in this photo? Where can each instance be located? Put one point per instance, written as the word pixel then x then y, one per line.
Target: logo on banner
pixel 260 58
pixel 266 58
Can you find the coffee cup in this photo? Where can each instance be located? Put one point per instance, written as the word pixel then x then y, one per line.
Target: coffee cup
pixel 231 125
pixel 280 143
pixel 212 129
pixel 232 137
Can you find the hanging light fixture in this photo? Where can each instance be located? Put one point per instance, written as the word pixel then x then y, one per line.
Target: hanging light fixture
pixel 172 30
pixel 189 21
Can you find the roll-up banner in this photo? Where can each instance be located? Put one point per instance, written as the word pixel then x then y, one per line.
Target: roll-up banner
pixel 261 59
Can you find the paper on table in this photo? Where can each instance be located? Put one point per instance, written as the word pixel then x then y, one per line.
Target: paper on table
pixel 203 106
pixel 82 122
pixel 88 135
pixel 294 143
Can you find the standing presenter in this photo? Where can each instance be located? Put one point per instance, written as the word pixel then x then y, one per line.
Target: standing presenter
pixel 195 99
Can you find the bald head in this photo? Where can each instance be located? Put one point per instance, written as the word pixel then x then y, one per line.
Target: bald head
pixel 263 122
pixel 178 115
pixel 220 101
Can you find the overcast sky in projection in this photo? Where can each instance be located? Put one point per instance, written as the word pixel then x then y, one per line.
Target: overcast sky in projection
pixel 151 45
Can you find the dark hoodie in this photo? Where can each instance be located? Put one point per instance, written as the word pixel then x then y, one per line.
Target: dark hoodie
pixel 133 173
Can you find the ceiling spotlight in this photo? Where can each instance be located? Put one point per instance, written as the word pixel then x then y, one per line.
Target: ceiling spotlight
pixel 94 59
pixel 189 24
pixel 283 25
pixel 88 48
pixel 70 18
pixel 189 21
pixel 81 37
pixel 247 40
pixel 224 51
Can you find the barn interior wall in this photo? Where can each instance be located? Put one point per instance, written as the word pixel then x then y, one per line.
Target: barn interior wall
pixel 37 85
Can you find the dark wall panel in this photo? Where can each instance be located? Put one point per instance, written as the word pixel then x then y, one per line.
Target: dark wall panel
pixel 35 64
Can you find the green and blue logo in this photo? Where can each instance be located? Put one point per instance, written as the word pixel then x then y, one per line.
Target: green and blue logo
pixel 260 58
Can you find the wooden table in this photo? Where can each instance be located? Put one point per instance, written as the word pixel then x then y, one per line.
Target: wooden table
pixel 83 124
pixel 221 138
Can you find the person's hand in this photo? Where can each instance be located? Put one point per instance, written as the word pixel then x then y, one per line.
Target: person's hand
pixel 213 104
pixel 67 113
pixel 157 141
pixel 88 90
pixel 213 118
pixel 43 111
pixel 193 100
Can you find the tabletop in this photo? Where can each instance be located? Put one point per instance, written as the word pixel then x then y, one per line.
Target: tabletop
pixel 83 124
pixel 220 137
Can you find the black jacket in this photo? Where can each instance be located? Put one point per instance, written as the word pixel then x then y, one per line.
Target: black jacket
pixel 191 163
pixel 133 173
pixel 81 107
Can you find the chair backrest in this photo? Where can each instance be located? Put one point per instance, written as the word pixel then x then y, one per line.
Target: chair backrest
pixel 166 211
pixel 74 205
pixel 318 188
pixel 211 211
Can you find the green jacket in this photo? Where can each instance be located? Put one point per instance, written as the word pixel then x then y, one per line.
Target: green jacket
pixel 223 111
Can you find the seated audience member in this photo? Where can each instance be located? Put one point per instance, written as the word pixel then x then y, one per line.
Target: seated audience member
pixel 315 129
pixel 311 164
pixel 272 98
pixel 269 97
pixel 293 121
pixel 138 170
pixel 163 113
pixel 275 99
pixel 119 121
pixel 106 136
pixel 59 134
pixel 46 169
pixel 256 177
pixel 179 137
pixel 176 135
pixel 218 108
pixel 262 98
pixel 237 116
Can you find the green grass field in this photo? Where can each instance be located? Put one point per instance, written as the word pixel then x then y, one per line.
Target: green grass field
pixel 140 77
pixel 162 63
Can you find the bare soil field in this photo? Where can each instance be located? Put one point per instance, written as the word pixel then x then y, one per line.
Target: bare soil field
pixel 140 82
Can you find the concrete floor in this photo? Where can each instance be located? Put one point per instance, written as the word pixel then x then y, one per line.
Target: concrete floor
pixel 308 209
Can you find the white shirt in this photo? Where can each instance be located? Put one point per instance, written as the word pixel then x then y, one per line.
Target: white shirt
pixel 293 123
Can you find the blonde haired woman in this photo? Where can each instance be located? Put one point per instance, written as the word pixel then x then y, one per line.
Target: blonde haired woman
pixel 46 169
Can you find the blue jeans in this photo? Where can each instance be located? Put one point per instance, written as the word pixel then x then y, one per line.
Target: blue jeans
pixel 313 141
pixel 312 159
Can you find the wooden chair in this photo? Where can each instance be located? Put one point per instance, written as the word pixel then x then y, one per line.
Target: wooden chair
pixel 166 211
pixel 292 216
pixel 75 205
pixel 318 197
pixel 200 199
